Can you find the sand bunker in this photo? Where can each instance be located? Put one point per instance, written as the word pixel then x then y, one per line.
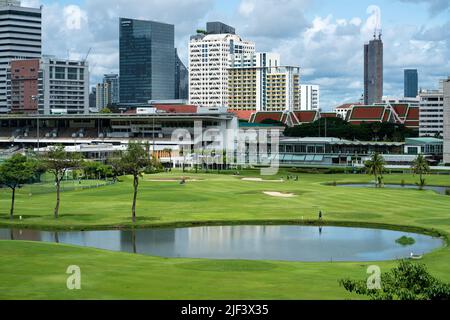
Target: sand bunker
pixel 279 194
pixel 260 180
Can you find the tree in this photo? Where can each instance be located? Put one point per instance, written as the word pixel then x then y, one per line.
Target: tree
pixel 58 161
pixel 105 110
pixel 15 172
pixel 133 162
pixel 408 281
pixel 420 166
pixel 169 152
pixel 375 166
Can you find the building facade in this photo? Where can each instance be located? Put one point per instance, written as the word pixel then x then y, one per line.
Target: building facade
pixel 64 86
pixel 411 85
pixel 48 86
pixel 309 97
pixel 102 98
pixel 181 79
pixel 258 82
pixel 209 57
pixel 147 61
pixel 447 121
pixel 431 113
pixel 373 71
pixel 112 80
pixel 219 28
pixel 21 38
pixel 23 87
pixel 107 92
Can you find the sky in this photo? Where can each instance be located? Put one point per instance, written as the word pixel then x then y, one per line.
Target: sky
pixel 324 37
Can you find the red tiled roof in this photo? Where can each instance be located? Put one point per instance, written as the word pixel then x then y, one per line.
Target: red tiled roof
pixel 387 115
pixel 243 114
pixel 413 114
pixel 261 116
pixel 400 109
pixel 412 118
pixel 328 115
pixel 305 116
pixel 367 113
pixel 176 108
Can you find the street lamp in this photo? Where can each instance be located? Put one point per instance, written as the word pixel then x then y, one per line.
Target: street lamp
pixel 36 98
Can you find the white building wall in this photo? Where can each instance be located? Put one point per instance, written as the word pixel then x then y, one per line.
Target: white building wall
pixel 65 92
pixel 447 121
pixel 209 58
pixel 431 113
pixel 309 97
pixel 20 38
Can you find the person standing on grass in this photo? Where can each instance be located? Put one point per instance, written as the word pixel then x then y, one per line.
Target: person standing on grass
pixel 320 215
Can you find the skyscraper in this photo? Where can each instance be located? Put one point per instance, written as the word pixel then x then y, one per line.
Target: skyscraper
pixel 411 86
pixel 20 39
pixel 181 79
pixel 147 61
pixel 373 71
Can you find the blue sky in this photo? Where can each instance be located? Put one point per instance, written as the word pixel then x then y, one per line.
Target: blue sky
pixel 324 37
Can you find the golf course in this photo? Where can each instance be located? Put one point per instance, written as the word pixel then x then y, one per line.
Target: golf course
pixel 37 270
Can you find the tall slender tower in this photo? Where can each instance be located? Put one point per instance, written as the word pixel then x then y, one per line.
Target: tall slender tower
pixel 373 70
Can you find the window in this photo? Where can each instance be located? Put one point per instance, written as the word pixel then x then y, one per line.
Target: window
pixel 60 73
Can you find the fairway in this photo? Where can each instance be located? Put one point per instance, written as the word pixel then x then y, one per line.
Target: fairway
pixel 37 270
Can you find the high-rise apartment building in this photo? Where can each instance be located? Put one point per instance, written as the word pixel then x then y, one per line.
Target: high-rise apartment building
pixel 147 61
pixel 431 113
pixel 309 97
pixel 411 83
pixel 373 71
pixel 20 31
pixel 446 88
pixel 258 82
pixel 102 95
pixel 107 92
pixel 112 80
pixel 209 61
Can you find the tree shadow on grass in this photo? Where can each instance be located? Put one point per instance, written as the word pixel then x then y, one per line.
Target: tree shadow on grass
pixel 17 217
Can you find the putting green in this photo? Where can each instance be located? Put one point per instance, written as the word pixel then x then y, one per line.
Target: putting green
pixel 37 270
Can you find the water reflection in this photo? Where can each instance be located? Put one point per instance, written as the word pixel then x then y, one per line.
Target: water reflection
pixel 291 243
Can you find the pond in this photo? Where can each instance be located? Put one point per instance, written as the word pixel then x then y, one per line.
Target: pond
pixel 438 189
pixel 286 243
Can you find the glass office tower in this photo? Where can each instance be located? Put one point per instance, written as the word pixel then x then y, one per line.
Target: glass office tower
pixel 411 83
pixel 147 61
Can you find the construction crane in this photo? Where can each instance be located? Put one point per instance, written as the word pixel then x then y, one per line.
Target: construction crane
pixel 87 55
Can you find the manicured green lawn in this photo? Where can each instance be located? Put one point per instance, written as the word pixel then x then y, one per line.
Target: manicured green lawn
pixel 37 270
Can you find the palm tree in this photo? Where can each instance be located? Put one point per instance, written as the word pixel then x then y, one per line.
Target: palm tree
pixel 375 166
pixel 169 152
pixel 420 166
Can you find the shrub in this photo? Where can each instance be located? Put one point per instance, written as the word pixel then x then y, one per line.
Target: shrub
pixel 405 241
